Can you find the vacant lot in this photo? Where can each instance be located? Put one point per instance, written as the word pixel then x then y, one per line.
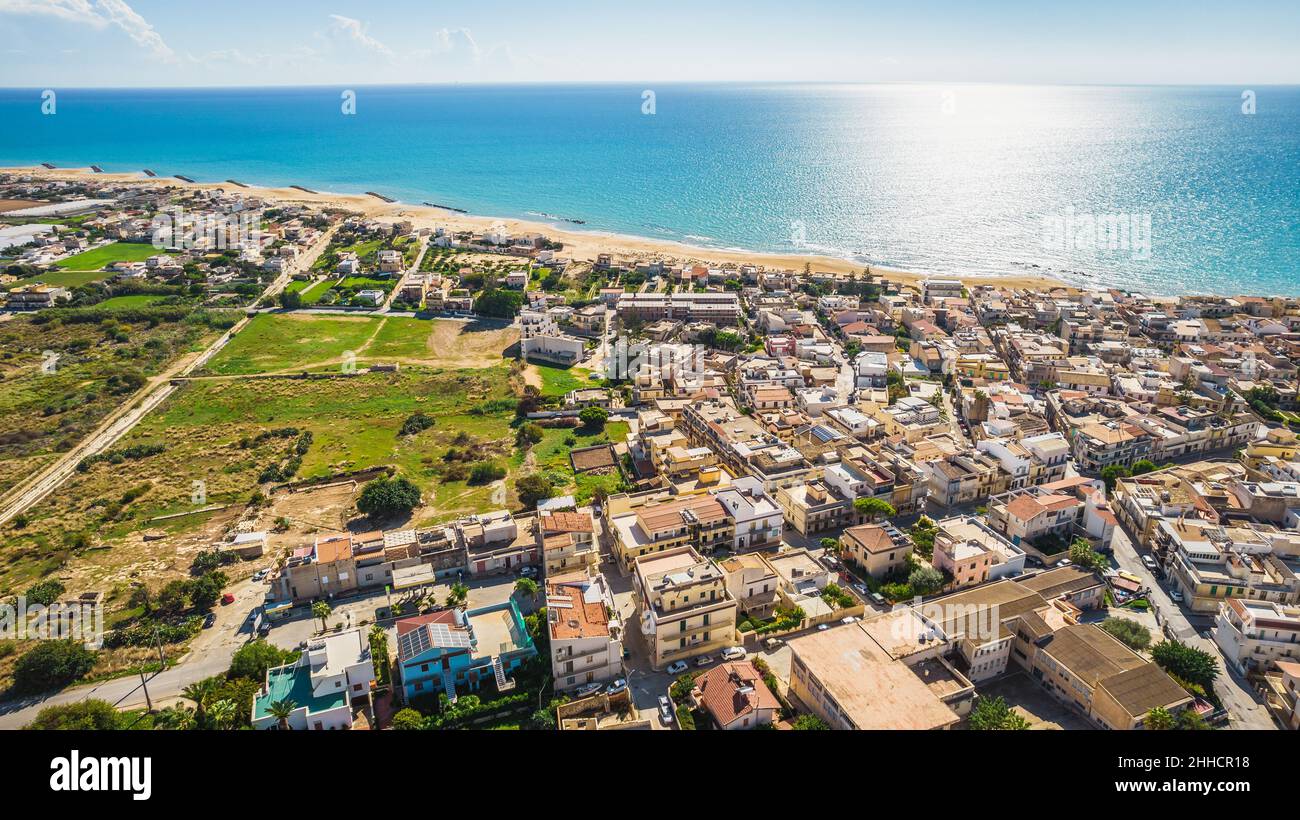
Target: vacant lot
pixel 58 381
pixel 211 432
pixel 293 342
pixel 558 381
pixel 97 258
pixel 66 278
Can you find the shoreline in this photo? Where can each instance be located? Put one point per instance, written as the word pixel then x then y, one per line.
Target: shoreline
pixel 579 245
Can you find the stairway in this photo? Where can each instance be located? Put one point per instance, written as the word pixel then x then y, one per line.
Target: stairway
pixel 504 684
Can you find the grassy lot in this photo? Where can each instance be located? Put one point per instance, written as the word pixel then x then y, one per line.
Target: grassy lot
pixel 312 295
pixel 208 431
pixel 557 381
pixel 275 342
pixel 45 412
pixel 66 278
pixel 97 258
pixel 551 457
pixel 133 301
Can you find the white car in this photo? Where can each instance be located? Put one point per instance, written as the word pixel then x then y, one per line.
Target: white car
pixel 1150 563
pixel 1176 596
pixel 851 619
pixel 822 627
pixel 704 660
pixel 676 667
pixel 665 710
pixel 733 653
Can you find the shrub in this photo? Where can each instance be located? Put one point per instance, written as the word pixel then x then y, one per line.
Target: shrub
pixel 52 665
pixel 1130 633
pixel 45 592
pixel 86 715
pixel 486 473
pixel 417 423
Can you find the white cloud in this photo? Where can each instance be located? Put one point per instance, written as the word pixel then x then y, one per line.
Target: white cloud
pixel 99 14
pixel 355 31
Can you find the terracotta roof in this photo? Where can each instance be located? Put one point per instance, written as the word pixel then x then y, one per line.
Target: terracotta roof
pixel 873 538
pixel 335 548
pixel 446 616
pixel 581 619
pixel 1025 507
pixel 566 522
pixel 731 691
pixel 706 509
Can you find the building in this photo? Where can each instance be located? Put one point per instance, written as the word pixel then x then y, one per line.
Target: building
pixel 848 679
pixel 734 696
pixel 325 569
pixel 683 606
pixel 568 541
pixel 880 550
pixel 721 308
pixel 457 649
pixel 585 631
pixel 333 672
pixel 1255 636
pixel 752 583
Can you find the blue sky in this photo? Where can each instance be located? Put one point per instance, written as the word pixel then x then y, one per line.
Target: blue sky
pixel 51 43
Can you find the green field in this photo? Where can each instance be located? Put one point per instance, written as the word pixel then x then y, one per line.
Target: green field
pixel 66 278
pixel 557 381
pixel 133 301
pixel 97 258
pixel 275 342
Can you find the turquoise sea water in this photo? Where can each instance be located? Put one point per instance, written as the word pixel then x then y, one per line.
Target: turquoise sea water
pixel 963 179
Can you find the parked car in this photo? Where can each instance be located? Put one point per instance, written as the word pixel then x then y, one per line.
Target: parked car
pixel 822 627
pixel 1150 563
pixel 1176 596
pixel 665 710
pixel 878 599
pixel 264 629
pixel 849 619
pixel 676 667
pixel 616 687
pixel 733 653
pixel 260 574
pixel 862 590
pixel 703 660
pixel 588 689
pixel 209 620
pixel 773 643
pixel 227 599
pixel 528 572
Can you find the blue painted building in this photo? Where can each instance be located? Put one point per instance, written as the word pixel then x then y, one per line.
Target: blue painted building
pixel 458 650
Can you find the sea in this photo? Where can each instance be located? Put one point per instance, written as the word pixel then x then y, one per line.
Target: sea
pixel 1162 190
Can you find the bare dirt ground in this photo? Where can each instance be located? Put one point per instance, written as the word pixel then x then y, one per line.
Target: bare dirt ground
pixel 457 344
pixel 309 512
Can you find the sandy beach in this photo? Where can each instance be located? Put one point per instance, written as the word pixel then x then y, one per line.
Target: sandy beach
pixel 578 245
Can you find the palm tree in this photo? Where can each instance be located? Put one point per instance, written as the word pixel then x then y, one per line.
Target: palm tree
pixel 280 710
pixel 223 714
pixel 321 610
pixel 201 694
pixel 459 593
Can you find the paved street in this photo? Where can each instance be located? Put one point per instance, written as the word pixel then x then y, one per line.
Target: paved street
pixel 1244 709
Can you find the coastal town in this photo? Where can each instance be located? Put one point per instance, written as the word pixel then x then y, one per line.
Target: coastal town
pixel 322 465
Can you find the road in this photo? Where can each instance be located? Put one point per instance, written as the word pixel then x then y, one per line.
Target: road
pixel 118 423
pixel 209 654
pixel 1244 710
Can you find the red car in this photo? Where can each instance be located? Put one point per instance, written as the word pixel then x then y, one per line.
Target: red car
pixel 228 598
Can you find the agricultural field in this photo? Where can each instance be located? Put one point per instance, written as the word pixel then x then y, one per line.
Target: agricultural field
pixel 293 342
pixel 97 258
pixel 58 380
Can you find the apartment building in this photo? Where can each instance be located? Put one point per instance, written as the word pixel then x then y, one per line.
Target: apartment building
pixel 814 507
pixel 683 607
pixel 972 553
pixel 752 582
pixel 1210 562
pixel 1255 636
pixel 586 634
pixel 879 549
pixel 966 478
pixel 568 541
pixel 1028 515
pixel 721 308
pixel 1029 461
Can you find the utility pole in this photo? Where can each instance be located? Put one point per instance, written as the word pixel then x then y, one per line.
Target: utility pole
pixel 162 664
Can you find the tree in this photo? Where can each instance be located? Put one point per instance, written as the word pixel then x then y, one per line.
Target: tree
pixel 388 497
pixel 379 653
pixel 93 715
pixel 527 588
pixel 873 509
pixel 1190 720
pixel 322 610
pixel 810 723
pixel 925 579
pixel 201 694
pixel 533 488
pixel 458 595
pixel 223 714
pixel 1159 719
pixel 993 714
pixel 1082 554
pixel 290 299
pixel 252 660
pixel 51 665
pixel 923 533
pixel 593 418
pixel 44 593
pixel 408 719
pixel 177 718
pixel 1186 663
pixel 281 710
pixel 831 545
pixel 1143 466
pixel 1113 473
pixel 1130 633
